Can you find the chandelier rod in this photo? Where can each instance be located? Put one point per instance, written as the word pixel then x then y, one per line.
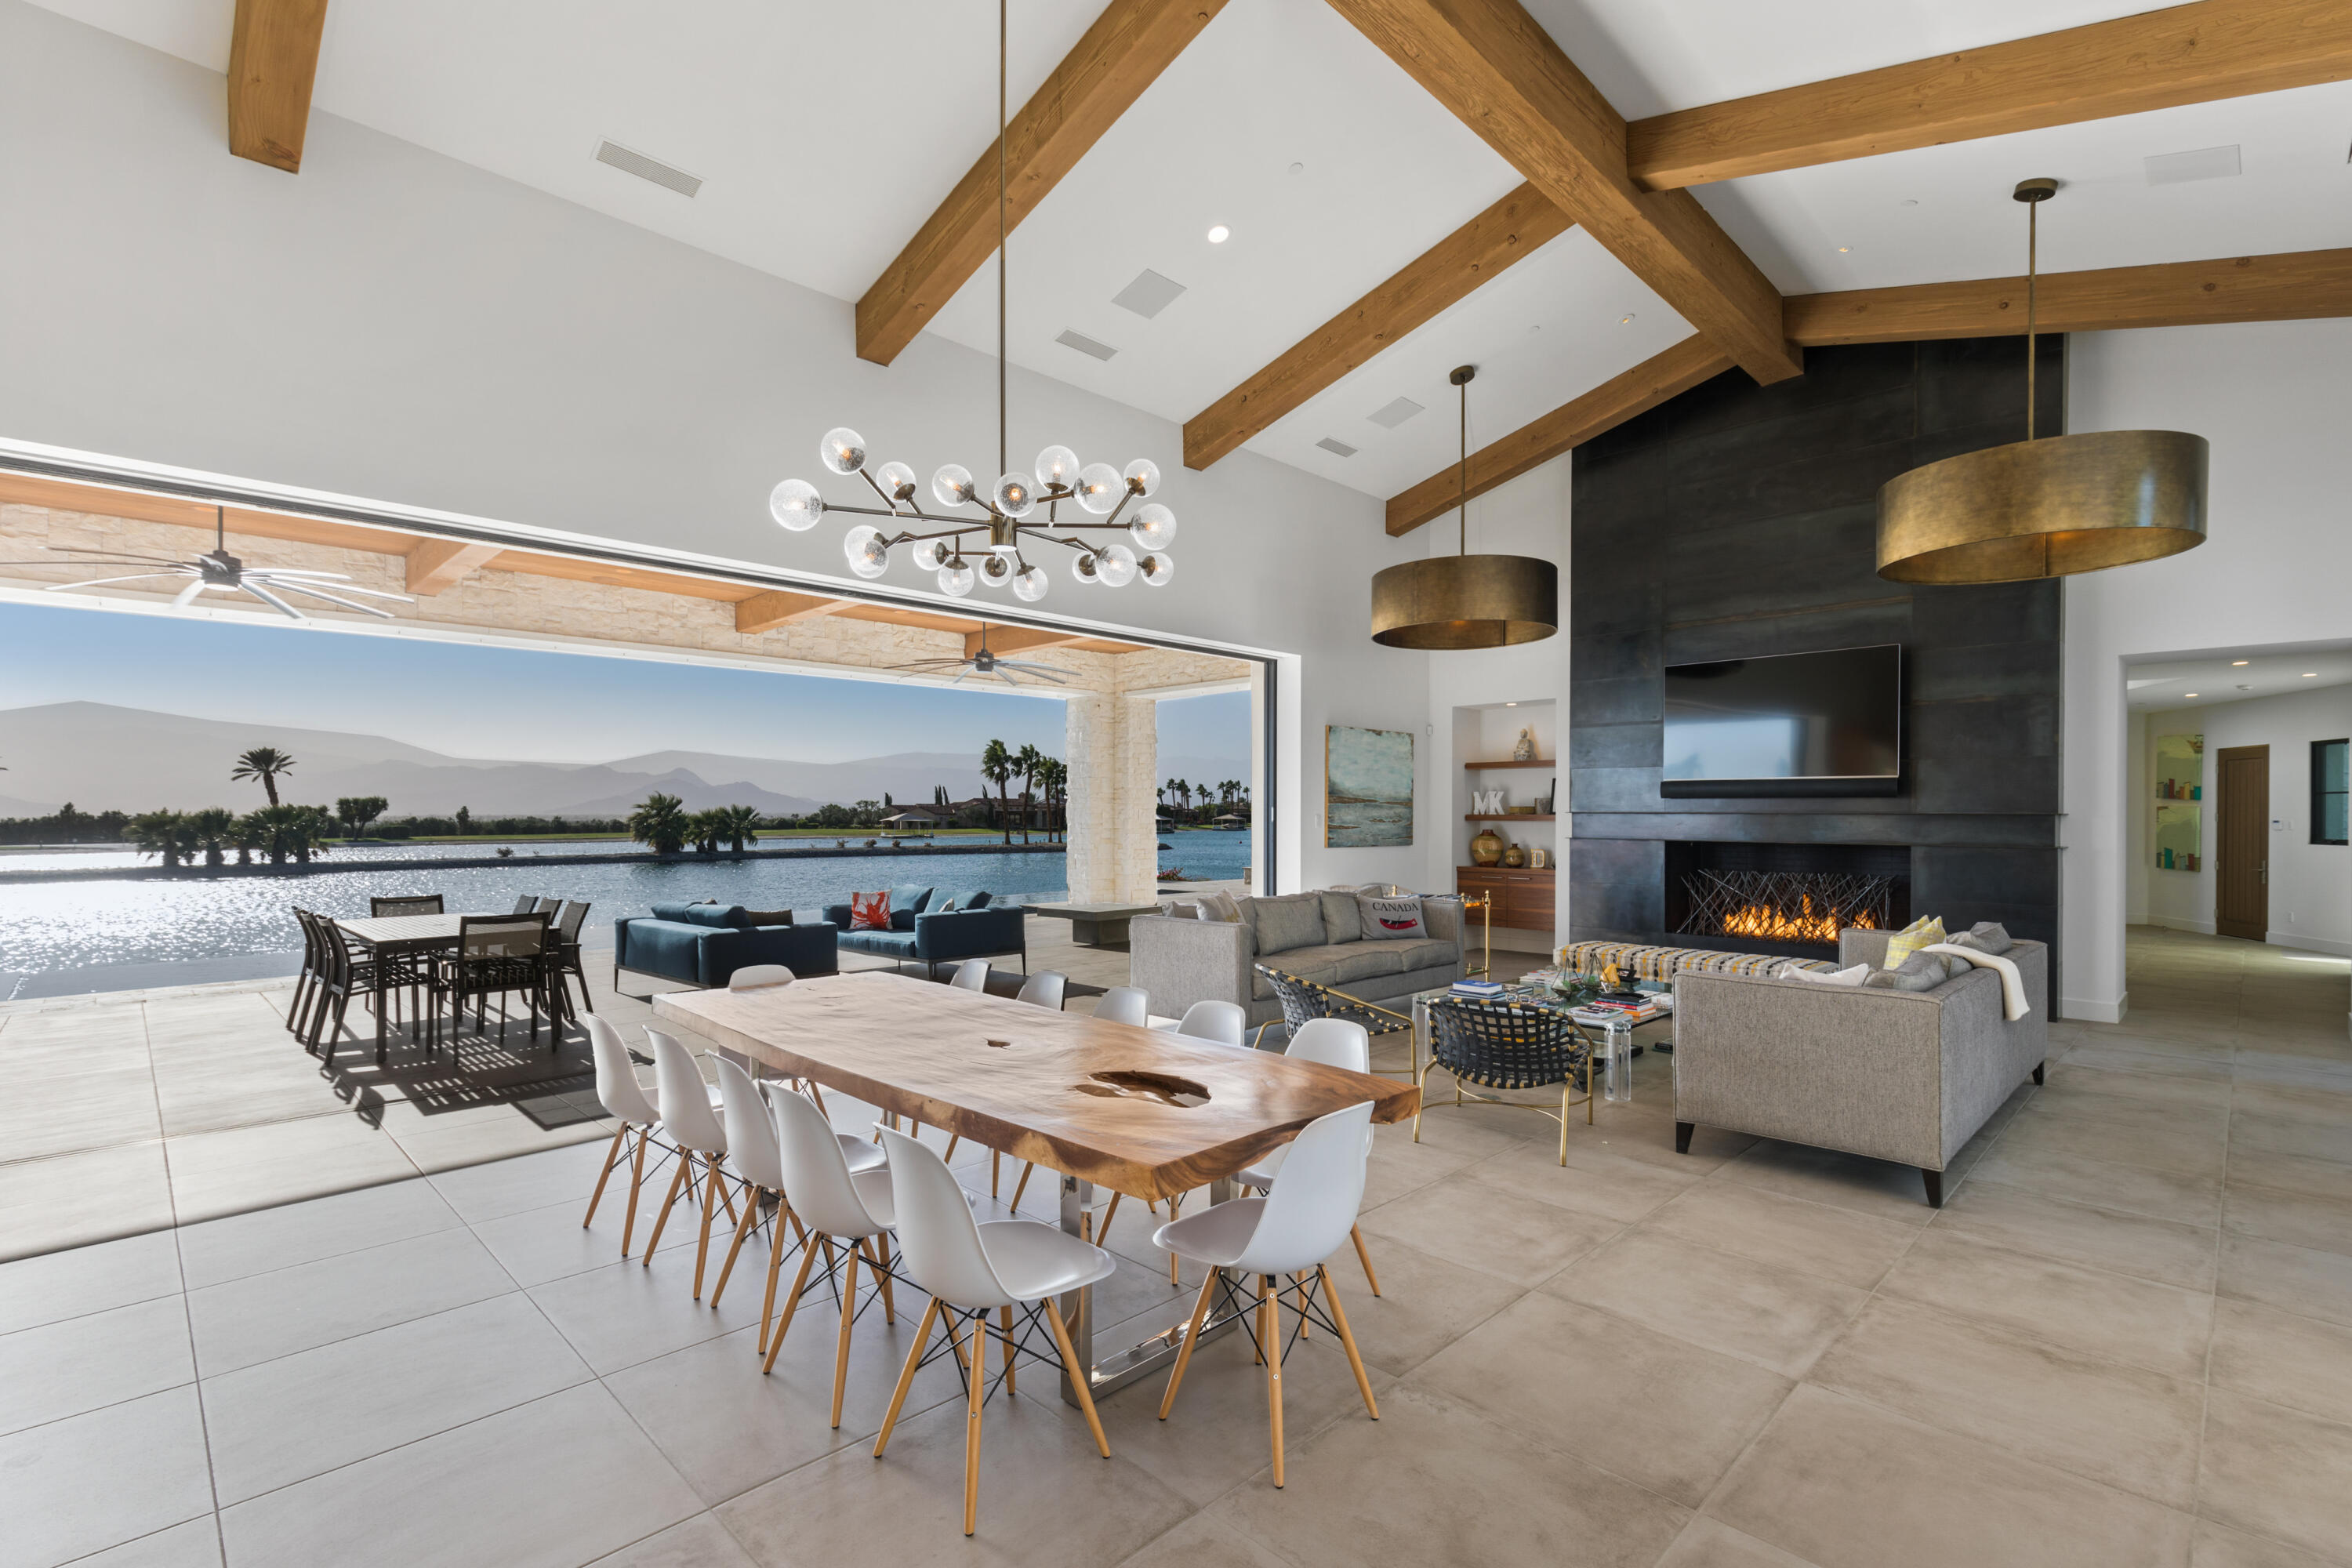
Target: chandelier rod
pixel 2032 271
pixel 1002 234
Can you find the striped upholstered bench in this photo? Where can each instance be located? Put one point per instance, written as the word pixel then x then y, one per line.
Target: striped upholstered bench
pixel 1661 965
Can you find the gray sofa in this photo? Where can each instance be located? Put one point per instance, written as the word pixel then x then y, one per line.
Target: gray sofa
pixel 1902 1076
pixel 1317 936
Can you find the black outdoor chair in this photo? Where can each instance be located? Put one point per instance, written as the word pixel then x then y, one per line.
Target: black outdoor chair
pixel 1502 1045
pixel 418 904
pixel 565 958
pixel 1304 1000
pixel 528 904
pixel 340 976
pixel 497 954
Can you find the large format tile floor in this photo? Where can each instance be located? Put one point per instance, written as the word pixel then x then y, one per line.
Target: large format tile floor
pixel 2127 1339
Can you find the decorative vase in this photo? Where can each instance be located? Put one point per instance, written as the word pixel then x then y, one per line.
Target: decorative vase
pixel 1487 848
pixel 1515 855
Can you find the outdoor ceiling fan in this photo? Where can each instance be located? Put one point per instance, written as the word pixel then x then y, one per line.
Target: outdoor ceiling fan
pixel 217 570
pixel 985 663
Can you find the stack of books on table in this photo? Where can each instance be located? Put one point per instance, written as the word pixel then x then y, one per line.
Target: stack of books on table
pixel 1487 990
pixel 1606 1012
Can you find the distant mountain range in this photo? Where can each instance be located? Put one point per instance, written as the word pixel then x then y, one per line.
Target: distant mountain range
pixel 105 758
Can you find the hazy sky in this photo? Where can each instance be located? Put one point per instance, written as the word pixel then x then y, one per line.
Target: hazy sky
pixel 516 705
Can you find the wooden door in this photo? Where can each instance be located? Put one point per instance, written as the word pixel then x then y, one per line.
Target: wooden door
pixel 2241 839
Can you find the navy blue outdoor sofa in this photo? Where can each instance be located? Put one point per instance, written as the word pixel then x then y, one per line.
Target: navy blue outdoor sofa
pixel 705 944
pixel 931 926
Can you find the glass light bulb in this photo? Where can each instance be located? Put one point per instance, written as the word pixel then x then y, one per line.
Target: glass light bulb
pixel 896 479
pixel 843 450
pixel 1099 487
pixel 1116 566
pixel 1016 496
pixel 1154 527
pixel 996 569
pixel 928 554
pixel 955 579
pixel 1058 465
pixel 869 557
pixel 952 484
pixel 1082 567
pixel 1030 585
pixel 1143 475
pixel 794 504
pixel 1156 568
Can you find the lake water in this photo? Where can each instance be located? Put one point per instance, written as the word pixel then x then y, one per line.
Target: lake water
pixel 72 936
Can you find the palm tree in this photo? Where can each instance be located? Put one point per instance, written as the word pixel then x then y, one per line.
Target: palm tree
pixel 1054 779
pixel 162 834
pixel 263 763
pixel 308 832
pixel 737 825
pixel 706 828
pixel 1027 761
pixel 997 767
pixel 659 821
pixel 210 831
pixel 284 830
pixel 356 811
pixel 248 836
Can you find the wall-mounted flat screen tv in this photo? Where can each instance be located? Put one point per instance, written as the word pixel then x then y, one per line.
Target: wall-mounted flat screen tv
pixel 1792 724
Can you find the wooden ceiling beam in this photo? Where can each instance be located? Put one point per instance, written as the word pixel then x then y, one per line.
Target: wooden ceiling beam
pixel 1123 53
pixel 1518 225
pixel 1502 74
pixel 438 564
pixel 1021 639
pixel 2158 60
pixel 273 58
pixel 2296 286
pixel 1573 422
pixel 774 607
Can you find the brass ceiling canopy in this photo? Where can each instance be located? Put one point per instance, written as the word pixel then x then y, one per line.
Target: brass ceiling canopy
pixel 2048 507
pixel 1465 600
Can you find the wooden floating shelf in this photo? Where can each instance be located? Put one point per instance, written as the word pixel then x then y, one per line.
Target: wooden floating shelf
pixel 1512 817
pixel 1507 763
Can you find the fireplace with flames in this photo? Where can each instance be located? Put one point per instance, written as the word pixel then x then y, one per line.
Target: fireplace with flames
pixel 1783 898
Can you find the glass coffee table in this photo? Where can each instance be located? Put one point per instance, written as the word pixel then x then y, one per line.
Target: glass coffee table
pixel 1609 1037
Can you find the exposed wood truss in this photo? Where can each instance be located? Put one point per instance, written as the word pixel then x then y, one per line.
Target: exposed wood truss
pixel 1123 53
pixel 2298 285
pixel 2185 54
pixel 766 611
pixel 1609 404
pixel 438 564
pixel 1020 639
pixel 1518 225
pixel 1500 73
pixel 273 57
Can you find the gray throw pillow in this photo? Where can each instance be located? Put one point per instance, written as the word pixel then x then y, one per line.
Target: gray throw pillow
pixel 1180 911
pixel 1920 971
pixel 1293 921
pixel 1985 936
pixel 1339 919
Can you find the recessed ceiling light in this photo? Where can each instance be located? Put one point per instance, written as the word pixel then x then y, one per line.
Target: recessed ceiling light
pixel 2311 675
pixel 2189 694
pixel 1220 233
pixel 1843 248
pixel 1625 319
pixel 2236 662
pixel 1510 705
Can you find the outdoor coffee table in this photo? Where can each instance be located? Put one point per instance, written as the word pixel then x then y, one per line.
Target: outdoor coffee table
pixel 1096 925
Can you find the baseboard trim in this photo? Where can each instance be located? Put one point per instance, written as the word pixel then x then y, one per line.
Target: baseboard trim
pixel 2082 1009
pixel 2329 945
pixel 2202 928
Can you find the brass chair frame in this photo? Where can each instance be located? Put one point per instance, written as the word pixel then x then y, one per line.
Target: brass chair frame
pixel 1581 1054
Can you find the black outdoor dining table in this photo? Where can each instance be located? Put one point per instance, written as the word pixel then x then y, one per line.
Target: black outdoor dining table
pixel 401 934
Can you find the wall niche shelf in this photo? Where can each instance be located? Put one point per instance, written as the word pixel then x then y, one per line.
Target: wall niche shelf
pixel 1512 762
pixel 1511 816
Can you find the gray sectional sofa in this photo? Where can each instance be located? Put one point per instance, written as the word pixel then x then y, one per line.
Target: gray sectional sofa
pixel 1317 936
pixel 1902 1076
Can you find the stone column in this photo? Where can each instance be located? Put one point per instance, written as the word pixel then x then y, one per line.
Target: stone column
pixel 1113 748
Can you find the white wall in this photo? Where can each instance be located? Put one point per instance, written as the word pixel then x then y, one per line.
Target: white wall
pixel 2310 884
pixel 2271 397
pixel 393 324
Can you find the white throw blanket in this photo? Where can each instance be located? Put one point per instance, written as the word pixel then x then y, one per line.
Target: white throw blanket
pixel 2012 987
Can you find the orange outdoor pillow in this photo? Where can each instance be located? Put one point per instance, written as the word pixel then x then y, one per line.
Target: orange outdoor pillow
pixel 869 911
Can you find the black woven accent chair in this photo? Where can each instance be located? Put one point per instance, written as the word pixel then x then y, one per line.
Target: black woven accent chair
pixel 1501 1046
pixel 1304 1000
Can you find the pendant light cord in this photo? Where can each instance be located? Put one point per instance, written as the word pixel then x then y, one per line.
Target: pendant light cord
pixel 1463 505
pixel 2033 274
pixel 1002 233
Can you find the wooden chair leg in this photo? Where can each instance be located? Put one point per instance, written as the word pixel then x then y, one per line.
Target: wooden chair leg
pixel 710 1210
pixel 881 1264
pixel 1348 1339
pixel 954 1140
pixel 1184 1350
pixel 1006 1319
pixel 841 1346
pixel 1079 1376
pixel 1364 1258
pixel 743 1229
pixel 906 1375
pixel 977 1382
pixel 685 1164
pixel 1110 1215
pixel 792 1304
pixel 1269 1309
pixel 775 1267
pixel 636 1181
pixel 612 1157
pixel 1020 1186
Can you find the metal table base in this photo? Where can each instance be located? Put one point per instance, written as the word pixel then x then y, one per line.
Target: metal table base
pixel 1109 1373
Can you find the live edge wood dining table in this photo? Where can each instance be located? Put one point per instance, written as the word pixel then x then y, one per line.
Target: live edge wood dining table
pixel 1139 1110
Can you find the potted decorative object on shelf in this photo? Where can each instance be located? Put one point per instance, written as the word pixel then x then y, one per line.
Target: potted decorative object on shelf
pixel 1525 750
pixel 1487 848
pixel 1516 855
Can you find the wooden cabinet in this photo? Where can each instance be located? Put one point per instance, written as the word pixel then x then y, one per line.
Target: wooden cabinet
pixel 1523 898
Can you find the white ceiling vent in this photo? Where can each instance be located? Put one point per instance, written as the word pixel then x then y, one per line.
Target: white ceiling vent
pixel 1149 295
pixel 645 168
pixel 1336 447
pixel 2179 168
pixel 1085 344
pixel 1388 415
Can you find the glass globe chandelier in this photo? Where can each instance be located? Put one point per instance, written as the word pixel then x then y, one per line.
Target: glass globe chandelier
pixel 1009 508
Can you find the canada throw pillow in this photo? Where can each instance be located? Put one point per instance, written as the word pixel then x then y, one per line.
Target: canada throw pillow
pixel 869 911
pixel 1394 919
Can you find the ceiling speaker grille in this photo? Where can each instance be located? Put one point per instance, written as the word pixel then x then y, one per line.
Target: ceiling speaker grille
pixel 1338 448
pixel 645 168
pixel 1085 344
pixel 1388 415
pixel 1149 295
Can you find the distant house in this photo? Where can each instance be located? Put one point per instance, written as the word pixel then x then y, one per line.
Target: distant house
pixel 919 818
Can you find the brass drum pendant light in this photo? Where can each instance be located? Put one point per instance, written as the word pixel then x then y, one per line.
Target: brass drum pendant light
pixel 1465 600
pixel 2047 507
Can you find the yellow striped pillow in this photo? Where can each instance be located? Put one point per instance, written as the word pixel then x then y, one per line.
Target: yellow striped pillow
pixel 1923 932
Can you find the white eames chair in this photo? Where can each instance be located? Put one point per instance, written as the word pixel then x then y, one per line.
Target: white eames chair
pixel 1289 1232
pixel 1125 1004
pixel 1045 989
pixel 1210 1019
pixel 1334 1042
pixel 836 1204
pixel 970 1269
pixel 751 1151
pixel 759 977
pixel 687 1117
pixel 972 975
pixel 624 1101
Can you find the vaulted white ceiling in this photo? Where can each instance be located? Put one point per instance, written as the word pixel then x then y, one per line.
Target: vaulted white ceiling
pixel 824 134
